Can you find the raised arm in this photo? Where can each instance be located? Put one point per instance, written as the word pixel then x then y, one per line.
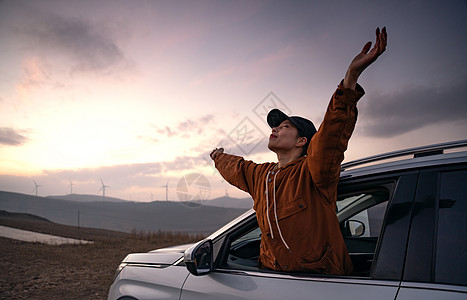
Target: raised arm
pixel 235 170
pixel 327 147
pixel 365 58
pixel 326 151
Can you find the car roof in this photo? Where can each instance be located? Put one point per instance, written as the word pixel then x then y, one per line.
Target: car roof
pixel 412 158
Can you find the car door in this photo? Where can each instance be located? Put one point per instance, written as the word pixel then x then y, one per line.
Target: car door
pixel 235 277
pixel 436 264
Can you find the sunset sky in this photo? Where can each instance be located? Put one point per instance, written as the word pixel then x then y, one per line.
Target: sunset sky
pixel 137 93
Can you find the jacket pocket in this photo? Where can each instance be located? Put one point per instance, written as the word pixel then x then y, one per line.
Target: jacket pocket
pixel 323 261
pixel 291 208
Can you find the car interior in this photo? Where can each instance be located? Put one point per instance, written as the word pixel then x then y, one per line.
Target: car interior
pixel 361 219
pixel 360 213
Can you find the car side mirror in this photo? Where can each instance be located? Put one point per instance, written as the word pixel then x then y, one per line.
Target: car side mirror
pixel 199 258
pixel 354 228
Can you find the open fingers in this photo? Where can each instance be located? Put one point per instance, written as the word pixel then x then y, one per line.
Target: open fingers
pixel 381 40
pixel 366 48
pixel 384 38
pixel 380 44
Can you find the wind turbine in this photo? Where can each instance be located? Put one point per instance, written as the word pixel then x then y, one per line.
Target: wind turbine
pixel 166 191
pixel 103 187
pixel 71 187
pixel 36 187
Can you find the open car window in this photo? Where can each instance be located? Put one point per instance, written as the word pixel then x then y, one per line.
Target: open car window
pixel 362 215
pixel 360 212
pixel 242 248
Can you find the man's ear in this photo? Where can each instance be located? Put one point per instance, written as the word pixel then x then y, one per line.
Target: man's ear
pixel 301 141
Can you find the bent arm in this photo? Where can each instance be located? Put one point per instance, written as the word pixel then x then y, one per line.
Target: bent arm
pixel 327 147
pixel 236 171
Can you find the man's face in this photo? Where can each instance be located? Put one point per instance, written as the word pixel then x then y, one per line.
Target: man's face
pixel 283 137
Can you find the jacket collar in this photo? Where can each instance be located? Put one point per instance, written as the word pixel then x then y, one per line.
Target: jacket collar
pixel 294 162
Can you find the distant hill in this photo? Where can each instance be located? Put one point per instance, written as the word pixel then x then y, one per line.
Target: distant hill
pixel 123 216
pixel 86 198
pixel 242 203
pixel 22 216
pixel 226 202
pixel 38 224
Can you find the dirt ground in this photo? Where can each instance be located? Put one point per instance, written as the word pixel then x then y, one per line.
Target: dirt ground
pixel 86 271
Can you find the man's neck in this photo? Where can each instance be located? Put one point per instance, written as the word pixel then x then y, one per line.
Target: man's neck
pixel 285 158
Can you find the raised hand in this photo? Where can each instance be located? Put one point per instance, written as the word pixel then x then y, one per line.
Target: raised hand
pixel 365 58
pixel 216 152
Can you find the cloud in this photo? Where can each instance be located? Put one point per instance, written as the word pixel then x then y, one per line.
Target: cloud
pixel 35 74
pixel 245 139
pixel 120 178
pixel 249 70
pixel 186 128
pixel 167 131
pixel 389 115
pixel 12 137
pixel 89 46
pixel 127 175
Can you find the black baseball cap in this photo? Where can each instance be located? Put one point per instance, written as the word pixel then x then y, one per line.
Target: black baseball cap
pixel 305 127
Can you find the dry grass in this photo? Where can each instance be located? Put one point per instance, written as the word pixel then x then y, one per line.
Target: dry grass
pixel 86 271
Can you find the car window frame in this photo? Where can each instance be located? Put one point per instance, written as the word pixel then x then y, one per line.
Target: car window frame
pixel 390 249
pixel 421 246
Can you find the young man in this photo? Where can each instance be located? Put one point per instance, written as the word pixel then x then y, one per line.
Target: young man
pixel 295 198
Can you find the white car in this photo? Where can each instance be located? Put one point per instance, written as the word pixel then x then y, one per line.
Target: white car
pixel 404 223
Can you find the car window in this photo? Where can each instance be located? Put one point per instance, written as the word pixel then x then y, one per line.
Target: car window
pixel 368 223
pixel 451 242
pixel 345 201
pixel 361 215
pixel 243 251
pixel 252 235
pixel 363 210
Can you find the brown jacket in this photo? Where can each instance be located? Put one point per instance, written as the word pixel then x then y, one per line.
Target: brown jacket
pixel 295 204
